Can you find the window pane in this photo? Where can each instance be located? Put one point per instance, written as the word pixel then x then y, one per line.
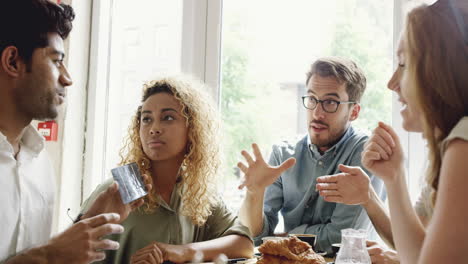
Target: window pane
pixel 267 48
pixel 145 40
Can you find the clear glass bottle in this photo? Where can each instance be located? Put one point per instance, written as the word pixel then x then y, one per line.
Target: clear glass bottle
pixel 353 247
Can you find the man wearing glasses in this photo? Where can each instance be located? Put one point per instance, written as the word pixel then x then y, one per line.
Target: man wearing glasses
pixel 287 182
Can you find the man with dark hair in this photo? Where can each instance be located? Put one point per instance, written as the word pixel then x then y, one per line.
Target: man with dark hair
pixel 33 79
pixel 334 89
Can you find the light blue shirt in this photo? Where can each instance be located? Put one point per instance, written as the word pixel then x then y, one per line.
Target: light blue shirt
pixel 303 210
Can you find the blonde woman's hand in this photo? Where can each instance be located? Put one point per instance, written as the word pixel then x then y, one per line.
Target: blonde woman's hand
pixel 351 187
pixel 110 201
pixel 383 154
pixel 150 254
pixel 176 253
pixel 156 253
pixel 380 255
pixel 258 173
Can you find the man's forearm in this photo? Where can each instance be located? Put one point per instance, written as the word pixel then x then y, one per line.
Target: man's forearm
pixel 379 217
pixel 251 212
pixel 37 255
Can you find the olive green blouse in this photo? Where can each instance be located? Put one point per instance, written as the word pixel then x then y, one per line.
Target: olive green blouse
pixel 167 225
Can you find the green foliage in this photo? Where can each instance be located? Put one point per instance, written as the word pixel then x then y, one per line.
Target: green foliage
pixel 364 35
pixel 245 107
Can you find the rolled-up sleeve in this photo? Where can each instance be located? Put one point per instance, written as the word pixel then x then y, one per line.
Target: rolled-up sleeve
pixel 223 222
pixel 343 216
pixel 273 201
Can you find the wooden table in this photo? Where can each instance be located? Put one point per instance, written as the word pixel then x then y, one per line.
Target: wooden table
pixel 253 261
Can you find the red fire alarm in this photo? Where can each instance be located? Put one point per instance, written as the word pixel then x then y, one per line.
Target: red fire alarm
pixel 49 129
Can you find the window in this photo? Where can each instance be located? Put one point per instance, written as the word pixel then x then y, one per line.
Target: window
pixel 142 44
pixel 131 41
pixel 268 46
pixel 136 41
pixel 414 144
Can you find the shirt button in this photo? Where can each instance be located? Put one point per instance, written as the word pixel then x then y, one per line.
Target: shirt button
pixel 320 163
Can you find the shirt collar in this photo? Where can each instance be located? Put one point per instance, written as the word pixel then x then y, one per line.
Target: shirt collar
pixel 4 144
pixel 335 148
pixel 31 140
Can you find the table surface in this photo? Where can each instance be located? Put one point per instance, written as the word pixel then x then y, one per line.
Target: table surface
pixel 253 261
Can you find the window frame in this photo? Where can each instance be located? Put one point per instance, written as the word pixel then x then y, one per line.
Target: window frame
pixel 413 144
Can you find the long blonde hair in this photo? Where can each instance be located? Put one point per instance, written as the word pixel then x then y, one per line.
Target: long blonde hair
pixel 437 61
pixel 203 159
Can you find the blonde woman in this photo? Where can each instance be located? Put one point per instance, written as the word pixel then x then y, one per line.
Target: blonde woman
pixel 433 63
pixel 174 139
pixel 435 87
pixel 353 186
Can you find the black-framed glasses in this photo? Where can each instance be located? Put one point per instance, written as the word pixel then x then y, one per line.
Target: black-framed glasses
pixel 328 105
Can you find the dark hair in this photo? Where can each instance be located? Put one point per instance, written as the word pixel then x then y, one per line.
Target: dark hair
pixel 343 70
pixel 26 23
pixel 152 90
pixel 157 88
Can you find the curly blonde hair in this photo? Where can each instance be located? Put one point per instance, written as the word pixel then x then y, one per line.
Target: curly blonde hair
pixel 202 162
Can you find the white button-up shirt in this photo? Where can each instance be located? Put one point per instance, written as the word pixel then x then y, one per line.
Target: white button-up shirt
pixel 27 194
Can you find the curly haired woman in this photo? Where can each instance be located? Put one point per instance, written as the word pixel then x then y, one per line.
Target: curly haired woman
pixel 174 139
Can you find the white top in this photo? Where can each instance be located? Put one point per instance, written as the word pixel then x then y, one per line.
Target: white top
pixel 424 204
pixel 27 194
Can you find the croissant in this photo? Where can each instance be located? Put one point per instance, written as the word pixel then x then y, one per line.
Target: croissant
pixel 288 251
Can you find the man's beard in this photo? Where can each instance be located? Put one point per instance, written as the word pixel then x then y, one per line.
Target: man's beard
pixel 333 137
pixel 43 108
pixel 330 141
